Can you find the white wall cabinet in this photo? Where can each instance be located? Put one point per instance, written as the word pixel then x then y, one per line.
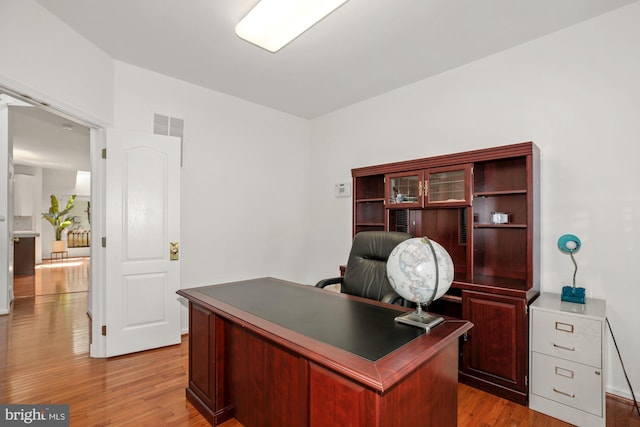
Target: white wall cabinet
pixel 23 195
pixel 567 360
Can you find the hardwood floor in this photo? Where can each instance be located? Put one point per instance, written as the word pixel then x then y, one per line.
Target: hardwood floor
pixel 70 275
pixel 44 358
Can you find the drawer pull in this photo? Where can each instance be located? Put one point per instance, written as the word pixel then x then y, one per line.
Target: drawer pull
pixel 564 327
pixel 564 348
pixel 564 372
pixel 572 395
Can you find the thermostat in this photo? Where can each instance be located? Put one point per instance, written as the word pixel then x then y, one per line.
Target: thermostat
pixel 343 189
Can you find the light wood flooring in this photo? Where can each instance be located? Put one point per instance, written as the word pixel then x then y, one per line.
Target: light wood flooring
pixel 54 277
pixel 44 359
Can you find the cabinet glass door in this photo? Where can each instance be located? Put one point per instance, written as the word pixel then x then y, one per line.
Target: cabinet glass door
pixel 404 190
pixel 448 186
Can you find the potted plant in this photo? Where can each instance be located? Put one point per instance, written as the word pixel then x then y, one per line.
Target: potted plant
pixel 59 220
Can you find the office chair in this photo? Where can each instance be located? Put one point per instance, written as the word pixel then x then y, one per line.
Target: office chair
pixel 366 274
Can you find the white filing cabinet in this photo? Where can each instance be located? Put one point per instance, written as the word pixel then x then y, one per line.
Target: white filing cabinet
pixel 566 378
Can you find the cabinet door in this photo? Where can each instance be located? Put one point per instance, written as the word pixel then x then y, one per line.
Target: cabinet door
pixel 496 349
pixel 24 254
pixel 404 190
pixel 448 186
pixel 23 195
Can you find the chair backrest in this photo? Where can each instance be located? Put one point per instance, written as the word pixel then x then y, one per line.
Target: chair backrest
pixel 366 274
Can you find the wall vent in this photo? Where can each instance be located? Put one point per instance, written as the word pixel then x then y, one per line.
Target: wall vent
pixel 170 126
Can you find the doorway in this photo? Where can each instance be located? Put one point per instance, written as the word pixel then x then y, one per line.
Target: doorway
pixel 51 156
pixel 48 154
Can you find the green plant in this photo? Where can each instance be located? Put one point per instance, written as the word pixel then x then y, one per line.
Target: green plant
pixel 59 219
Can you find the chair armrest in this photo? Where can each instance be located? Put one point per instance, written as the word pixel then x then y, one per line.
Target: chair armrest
pixel 394 298
pixel 326 282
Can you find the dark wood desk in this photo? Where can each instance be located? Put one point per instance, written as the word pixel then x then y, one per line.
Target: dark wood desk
pixel 274 353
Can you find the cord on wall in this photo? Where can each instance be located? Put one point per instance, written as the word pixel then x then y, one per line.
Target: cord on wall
pixel 635 402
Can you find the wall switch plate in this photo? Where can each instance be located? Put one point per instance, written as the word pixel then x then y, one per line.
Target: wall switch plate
pixel 343 189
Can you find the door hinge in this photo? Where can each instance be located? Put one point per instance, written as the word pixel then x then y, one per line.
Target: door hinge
pixel 104 153
pixel 104 330
pixel 526 309
pixel 526 380
pixel 104 242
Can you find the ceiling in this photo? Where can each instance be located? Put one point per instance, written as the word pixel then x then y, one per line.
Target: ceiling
pixel 39 139
pixel 363 49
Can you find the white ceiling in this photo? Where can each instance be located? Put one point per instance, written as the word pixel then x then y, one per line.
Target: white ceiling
pixel 40 140
pixel 363 49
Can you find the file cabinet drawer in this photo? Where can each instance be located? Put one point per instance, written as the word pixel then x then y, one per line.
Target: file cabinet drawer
pixel 566 336
pixel 573 384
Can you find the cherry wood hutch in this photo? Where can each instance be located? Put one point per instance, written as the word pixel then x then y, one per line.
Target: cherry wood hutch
pixel 483 207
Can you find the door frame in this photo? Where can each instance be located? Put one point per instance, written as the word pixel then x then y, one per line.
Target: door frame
pixel 97 142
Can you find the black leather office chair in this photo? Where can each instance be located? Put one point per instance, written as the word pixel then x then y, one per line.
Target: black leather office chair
pixel 366 274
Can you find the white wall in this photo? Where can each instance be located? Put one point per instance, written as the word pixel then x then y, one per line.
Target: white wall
pixel 244 180
pixel 44 58
pixel 576 94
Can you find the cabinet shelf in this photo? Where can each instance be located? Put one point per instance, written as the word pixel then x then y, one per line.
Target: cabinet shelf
pixel 376 200
pixel 499 225
pixel 454 199
pixel 498 193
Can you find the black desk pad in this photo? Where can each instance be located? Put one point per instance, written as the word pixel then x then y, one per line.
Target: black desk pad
pixel 366 330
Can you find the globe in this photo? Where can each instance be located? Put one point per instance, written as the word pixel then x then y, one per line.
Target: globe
pixel 421 271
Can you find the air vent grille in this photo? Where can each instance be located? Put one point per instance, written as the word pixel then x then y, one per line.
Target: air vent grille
pixel 170 126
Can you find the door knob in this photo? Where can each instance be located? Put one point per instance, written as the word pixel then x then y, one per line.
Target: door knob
pixel 174 249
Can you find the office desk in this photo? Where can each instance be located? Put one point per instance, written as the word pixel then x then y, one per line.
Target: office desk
pixel 274 353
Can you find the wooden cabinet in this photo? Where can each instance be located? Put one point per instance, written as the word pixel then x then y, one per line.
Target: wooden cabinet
pixel 567 360
pixel 23 195
pixel 444 186
pixel 24 255
pixel 368 203
pixel 494 353
pixel 483 207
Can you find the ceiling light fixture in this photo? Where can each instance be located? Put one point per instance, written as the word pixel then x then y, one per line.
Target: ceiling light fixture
pixel 272 24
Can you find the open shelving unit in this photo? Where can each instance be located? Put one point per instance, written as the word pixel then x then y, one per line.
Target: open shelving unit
pixel 452 199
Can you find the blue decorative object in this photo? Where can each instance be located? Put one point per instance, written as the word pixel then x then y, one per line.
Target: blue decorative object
pixel 569 244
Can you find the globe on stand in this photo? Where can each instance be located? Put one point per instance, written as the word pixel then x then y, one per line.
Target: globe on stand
pixel 421 271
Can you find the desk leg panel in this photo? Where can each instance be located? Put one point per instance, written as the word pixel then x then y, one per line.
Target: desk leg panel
pixel 337 401
pixel 267 384
pixel 428 396
pixel 206 390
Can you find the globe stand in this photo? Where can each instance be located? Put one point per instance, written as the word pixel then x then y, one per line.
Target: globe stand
pixel 420 318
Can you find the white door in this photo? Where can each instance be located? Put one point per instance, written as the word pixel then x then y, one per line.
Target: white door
pixel 142 218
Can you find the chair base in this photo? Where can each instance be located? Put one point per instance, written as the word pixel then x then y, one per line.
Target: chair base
pixel 426 321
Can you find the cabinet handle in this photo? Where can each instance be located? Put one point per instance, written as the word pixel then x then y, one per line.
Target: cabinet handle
pixel 568 373
pixel 420 188
pixel 564 348
pixel 564 327
pixel 572 395
pixel 426 188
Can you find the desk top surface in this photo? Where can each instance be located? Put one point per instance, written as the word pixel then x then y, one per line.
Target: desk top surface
pixel 363 329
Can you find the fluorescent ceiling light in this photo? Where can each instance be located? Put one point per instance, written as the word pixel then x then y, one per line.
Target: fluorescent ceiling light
pixel 271 24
